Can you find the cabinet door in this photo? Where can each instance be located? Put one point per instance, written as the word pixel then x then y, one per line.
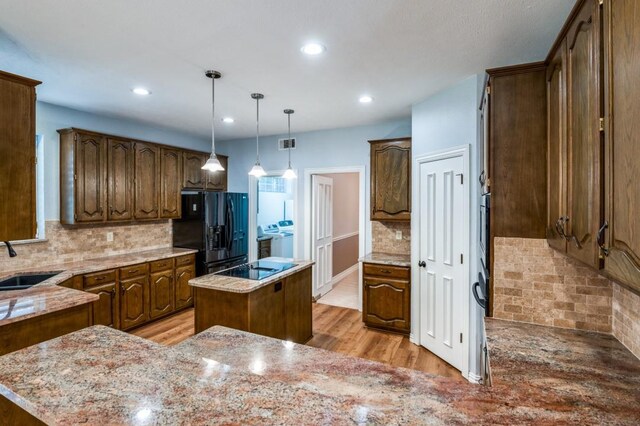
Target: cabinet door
pixel 105 310
pixel 170 183
pixel 391 180
pixel 120 180
pixel 386 304
pixel 146 182
pixel 162 293
pixel 297 306
pixel 217 181
pixel 134 302
pixel 90 177
pixel 184 292
pixel 622 164
pixel 267 312
pixel 192 173
pixel 556 151
pixel 584 138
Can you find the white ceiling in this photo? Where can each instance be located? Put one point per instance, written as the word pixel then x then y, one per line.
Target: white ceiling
pixel 90 53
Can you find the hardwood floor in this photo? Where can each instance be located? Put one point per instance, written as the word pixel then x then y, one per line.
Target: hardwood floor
pixel 335 329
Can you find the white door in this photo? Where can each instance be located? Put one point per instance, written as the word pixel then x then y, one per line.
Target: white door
pixel 322 231
pixel 443 277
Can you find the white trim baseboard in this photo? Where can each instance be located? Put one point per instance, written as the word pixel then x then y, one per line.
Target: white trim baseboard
pixel 474 378
pixel 344 273
pixel 345 236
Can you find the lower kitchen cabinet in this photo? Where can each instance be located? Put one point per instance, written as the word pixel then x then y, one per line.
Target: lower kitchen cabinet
pixel 134 302
pixel 183 291
pixel 387 297
pixel 297 295
pixel 105 310
pixel 162 293
pixel 264 247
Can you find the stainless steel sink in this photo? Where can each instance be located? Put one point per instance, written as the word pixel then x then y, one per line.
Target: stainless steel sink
pixel 21 282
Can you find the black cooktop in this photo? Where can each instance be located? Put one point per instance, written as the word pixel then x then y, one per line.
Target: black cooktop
pixel 257 270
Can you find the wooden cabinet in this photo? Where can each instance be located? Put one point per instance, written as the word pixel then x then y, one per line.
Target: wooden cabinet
pixel 298 307
pixel 183 291
pixel 90 177
pixel 386 297
pixel 146 181
pixel 264 248
pixel 17 157
pixel 267 315
pixel 162 293
pixel 170 183
pixel 622 127
pixel 391 179
pixel 193 176
pixel 105 310
pixel 119 180
pixel 217 181
pixel 134 302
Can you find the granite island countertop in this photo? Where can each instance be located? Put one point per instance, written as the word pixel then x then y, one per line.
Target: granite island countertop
pixel 48 296
pixel 403 260
pixel 228 376
pixel 244 285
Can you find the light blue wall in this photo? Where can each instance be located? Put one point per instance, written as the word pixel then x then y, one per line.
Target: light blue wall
pixel 319 149
pixel 50 118
pixel 445 120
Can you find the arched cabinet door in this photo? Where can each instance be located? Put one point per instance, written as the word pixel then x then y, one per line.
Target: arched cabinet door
pixel 391 179
pixel 90 177
pixel 146 181
pixel 119 180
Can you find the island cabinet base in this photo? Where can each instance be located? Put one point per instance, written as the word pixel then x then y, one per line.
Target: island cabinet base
pixel 281 309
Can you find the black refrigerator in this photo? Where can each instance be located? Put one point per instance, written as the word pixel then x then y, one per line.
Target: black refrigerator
pixel 215 224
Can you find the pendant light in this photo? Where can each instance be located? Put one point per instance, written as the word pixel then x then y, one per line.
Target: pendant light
pixel 213 164
pixel 257 169
pixel 289 173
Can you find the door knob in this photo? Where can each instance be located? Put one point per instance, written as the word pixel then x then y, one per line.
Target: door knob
pixel 422 264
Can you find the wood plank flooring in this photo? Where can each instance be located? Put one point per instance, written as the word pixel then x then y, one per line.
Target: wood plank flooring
pixel 335 329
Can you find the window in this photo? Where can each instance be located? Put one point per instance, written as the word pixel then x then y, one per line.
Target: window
pixel 40 186
pixel 272 184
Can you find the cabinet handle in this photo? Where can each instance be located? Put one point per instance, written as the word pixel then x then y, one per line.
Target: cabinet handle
pixel 562 220
pixel 575 241
pixel 113 292
pixel 385 271
pixel 101 278
pixel 605 251
pixel 122 289
pixel 133 271
pixel 422 264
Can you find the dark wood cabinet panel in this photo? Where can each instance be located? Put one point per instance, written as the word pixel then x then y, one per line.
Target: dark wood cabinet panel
pixel 217 181
pixel 386 299
pixel 161 294
pixel 17 157
pixel 146 181
pixel 193 176
pixel 134 302
pixel 556 150
pixel 170 183
pixel 391 179
pixel 90 177
pixel 264 248
pixel 622 23
pixel 268 316
pixel 120 180
pixel 298 307
pixel 584 147
pixel 184 292
pixel 105 310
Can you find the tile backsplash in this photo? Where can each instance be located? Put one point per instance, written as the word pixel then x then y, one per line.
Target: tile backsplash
pixel 383 237
pixel 68 244
pixel 626 318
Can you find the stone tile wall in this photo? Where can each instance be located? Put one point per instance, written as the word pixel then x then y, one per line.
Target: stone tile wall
pixel 626 318
pixel 68 244
pixel 384 237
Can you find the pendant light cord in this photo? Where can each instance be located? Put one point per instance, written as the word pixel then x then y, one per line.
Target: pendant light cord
pixel 257 130
pixel 213 117
pixel 289 125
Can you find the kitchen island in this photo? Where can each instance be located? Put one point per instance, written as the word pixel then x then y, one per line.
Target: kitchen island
pixel 276 306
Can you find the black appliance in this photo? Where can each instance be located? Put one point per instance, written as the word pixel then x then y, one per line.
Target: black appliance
pixel 257 270
pixel 481 288
pixel 215 224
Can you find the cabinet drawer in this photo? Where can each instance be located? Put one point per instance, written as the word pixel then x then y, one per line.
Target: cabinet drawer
pixel 185 260
pixel 161 265
pixel 134 271
pixel 387 271
pixel 99 278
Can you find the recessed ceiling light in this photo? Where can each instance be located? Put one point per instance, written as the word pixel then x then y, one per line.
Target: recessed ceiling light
pixel 313 49
pixel 141 91
pixel 365 99
pixel 228 120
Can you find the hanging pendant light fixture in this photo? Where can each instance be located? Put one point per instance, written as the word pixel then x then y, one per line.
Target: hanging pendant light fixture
pixel 289 173
pixel 257 169
pixel 213 164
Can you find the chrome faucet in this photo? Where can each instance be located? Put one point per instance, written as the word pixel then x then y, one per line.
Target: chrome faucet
pixel 12 252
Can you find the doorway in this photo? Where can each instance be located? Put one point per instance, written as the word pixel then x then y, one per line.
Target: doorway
pixel 442 250
pixel 335 218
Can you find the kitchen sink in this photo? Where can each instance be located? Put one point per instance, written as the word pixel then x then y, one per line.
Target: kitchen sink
pixel 21 282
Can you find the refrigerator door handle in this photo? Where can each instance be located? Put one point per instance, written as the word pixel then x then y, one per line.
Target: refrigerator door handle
pixel 232 223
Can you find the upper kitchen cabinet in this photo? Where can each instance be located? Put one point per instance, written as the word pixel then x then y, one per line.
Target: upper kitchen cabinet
pixel 119 179
pixel 193 176
pixel 170 183
pixel 146 181
pixel 622 141
pixel 391 179
pixel 217 181
pixel 83 177
pixel 17 157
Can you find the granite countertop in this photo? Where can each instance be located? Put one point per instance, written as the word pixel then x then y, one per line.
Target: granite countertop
pixel 229 376
pixel 47 296
pixel 244 285
pixel 387 259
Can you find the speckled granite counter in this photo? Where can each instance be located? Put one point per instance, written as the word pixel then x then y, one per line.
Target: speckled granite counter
pixel 243 285
pixel 228 376
pixel 387 259
pixel 47 297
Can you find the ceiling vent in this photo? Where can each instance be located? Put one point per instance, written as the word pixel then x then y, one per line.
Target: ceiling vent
pixel 284 144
